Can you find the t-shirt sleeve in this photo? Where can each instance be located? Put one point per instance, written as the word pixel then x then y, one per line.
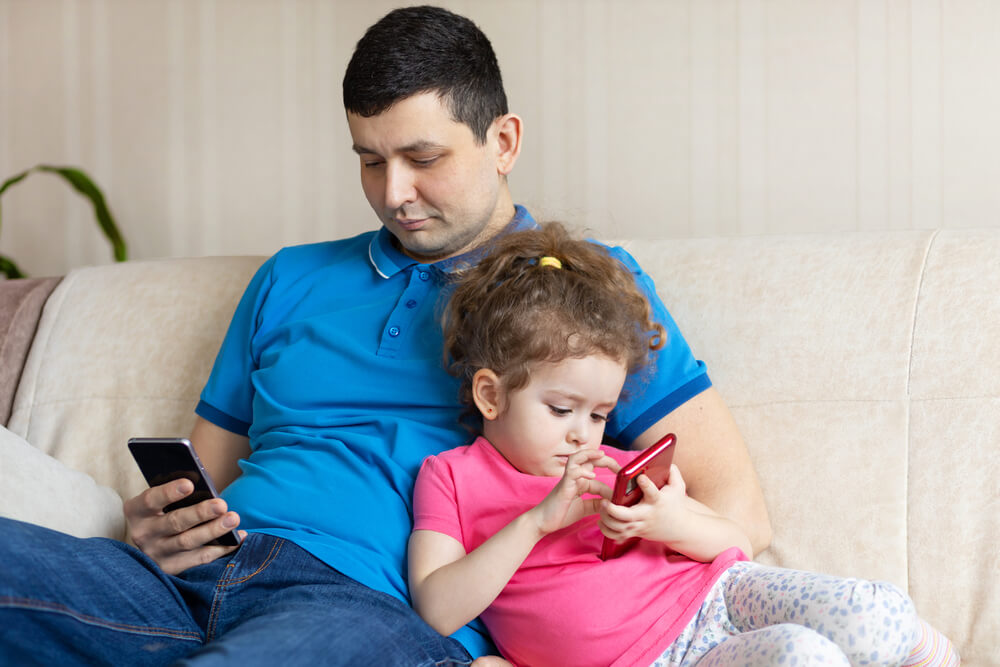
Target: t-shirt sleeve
pixel 227 399
pixel 435 508
pixel 435 505
pixel 672 378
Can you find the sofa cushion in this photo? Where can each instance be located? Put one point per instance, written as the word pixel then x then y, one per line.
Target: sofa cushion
pixel 124 351
pixel 39 489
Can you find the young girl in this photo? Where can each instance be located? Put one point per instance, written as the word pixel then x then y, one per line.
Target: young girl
pixel 542 334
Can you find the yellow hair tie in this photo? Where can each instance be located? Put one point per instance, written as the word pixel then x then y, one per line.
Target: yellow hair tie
pixel 550 261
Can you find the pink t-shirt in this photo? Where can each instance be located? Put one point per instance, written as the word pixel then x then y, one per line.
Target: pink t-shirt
pixel 564 605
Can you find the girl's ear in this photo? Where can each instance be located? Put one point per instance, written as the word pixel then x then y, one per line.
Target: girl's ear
pixel 487 393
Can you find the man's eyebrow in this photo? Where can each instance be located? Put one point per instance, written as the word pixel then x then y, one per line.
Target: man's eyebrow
pixel 415 147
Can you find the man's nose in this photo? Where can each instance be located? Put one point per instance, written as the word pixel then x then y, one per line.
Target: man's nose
pixel 399 186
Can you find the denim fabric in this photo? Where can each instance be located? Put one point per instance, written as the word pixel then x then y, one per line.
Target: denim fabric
pixel 71 601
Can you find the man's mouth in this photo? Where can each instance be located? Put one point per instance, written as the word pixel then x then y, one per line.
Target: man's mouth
pixel 411 224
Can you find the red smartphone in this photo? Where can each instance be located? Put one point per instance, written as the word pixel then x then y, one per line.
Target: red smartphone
pixel 654 462
pixel 163 460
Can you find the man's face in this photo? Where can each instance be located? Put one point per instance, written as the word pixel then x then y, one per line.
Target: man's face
pixel 431 184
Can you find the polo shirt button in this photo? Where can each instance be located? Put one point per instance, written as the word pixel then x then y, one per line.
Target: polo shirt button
pixel 412 303
pixel 424 275
pixel 393 331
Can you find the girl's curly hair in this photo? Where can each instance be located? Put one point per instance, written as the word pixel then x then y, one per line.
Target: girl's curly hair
pixel 511 311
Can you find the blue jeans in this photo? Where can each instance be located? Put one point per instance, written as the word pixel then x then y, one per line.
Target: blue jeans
pixel 71 601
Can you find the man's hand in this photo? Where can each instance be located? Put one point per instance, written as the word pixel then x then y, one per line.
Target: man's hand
pixel 177 540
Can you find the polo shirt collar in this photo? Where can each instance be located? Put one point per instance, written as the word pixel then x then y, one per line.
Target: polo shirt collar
pixel 387 260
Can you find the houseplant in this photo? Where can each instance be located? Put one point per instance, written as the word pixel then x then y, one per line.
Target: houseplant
pixel 85 186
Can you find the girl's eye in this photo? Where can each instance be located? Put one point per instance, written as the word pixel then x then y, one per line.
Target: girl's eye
pixel 559 411
pixel 599 418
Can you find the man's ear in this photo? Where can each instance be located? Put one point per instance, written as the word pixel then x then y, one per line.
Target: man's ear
pixel 487 393
pixel 509 130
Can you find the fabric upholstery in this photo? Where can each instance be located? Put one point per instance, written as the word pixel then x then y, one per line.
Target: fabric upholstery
pixel 21 304
pixel 864 372
pixel 124 351
pixel 862 368
pixel 39 489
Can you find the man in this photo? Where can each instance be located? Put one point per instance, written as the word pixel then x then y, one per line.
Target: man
pixel 326 395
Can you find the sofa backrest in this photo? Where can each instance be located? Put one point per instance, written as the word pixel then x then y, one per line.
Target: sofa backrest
pixel 862 369
pixel 124 350
pixel 864 373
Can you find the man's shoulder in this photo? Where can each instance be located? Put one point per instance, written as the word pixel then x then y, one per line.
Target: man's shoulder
pixel 619 253
pixel 304 258
pixel 352 246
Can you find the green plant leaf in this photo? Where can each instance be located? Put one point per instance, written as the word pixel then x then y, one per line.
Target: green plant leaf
pixel 82 183
pixel 9 182
pixel 9 268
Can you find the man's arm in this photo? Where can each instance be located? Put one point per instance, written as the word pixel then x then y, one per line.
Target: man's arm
pixel 714 460
pixel 220 451
pixel 177 540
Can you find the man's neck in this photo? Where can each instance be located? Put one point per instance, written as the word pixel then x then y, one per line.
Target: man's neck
pixel 501 217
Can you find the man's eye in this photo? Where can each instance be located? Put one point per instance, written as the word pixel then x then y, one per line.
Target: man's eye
pixel 425 162
pixel 559 411
pixel 371 164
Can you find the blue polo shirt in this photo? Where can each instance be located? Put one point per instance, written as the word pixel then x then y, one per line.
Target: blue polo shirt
pixel 332 366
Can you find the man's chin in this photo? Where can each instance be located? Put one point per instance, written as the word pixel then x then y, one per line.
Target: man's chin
pixel 421 245
pixel 425 245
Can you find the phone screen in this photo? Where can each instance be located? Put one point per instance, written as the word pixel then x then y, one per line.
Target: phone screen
pixel 163 460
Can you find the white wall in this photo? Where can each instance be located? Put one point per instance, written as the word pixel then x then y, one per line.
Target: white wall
pixel 216 127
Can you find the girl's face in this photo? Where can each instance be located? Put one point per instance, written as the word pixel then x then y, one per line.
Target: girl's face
pixel 561 410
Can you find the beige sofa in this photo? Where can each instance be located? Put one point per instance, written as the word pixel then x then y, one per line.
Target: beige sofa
pixel 863 369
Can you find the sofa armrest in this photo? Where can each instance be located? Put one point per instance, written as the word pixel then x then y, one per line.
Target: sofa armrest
pixel 21 303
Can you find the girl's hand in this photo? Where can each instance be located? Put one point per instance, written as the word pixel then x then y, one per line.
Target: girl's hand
pixel 660 515
pixel 564 504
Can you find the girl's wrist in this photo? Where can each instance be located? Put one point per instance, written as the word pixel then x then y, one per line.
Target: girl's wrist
pixel 533 523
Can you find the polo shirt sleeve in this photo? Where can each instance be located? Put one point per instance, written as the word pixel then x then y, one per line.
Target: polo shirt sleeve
pixel 672 377
pixel 227 399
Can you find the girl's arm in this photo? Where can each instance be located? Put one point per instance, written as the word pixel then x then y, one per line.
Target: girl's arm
pixel 670 516
pixel 450 588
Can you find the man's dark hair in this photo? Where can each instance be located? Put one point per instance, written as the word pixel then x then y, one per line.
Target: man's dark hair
pixel 426 49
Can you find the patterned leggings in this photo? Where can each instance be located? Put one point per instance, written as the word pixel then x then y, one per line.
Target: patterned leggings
pixel 758 615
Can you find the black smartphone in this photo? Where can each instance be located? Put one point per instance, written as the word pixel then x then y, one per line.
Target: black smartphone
pixel 654 462
pixel 163 460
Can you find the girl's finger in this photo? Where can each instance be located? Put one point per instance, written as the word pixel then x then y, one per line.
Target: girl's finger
pixel 598 488
pixel 618 512
pixel 649 490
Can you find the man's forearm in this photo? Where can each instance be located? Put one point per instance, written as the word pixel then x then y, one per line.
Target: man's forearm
pixel 715 462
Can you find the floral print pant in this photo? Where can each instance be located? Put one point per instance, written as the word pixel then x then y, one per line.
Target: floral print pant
pixel 759 615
